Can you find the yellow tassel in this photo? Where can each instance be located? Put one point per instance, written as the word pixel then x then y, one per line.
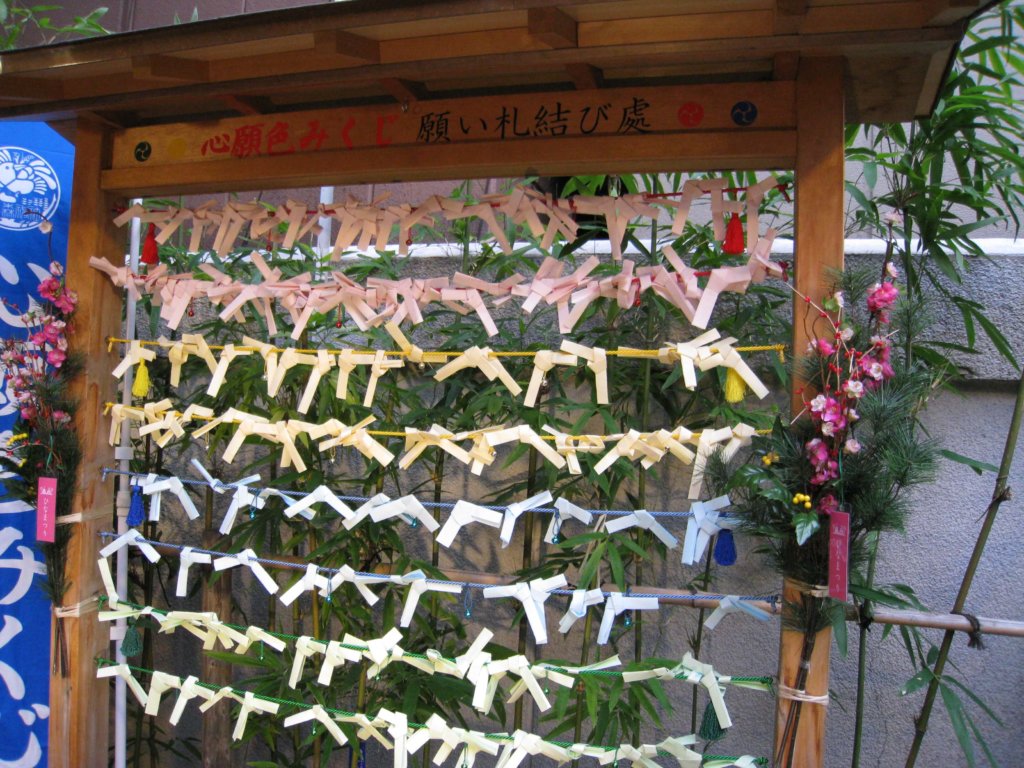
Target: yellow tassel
pixel 140 387
pixel 735 387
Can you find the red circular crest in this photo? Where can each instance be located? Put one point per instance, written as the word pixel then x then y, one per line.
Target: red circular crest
pixel 691 114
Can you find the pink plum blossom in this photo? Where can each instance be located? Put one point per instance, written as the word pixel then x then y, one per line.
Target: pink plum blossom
pixel 882 296
pixel 828 504
pixel 823 347
pixel 853 388
pixel 56 357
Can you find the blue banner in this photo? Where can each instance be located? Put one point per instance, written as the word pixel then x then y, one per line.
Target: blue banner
pixel 36 166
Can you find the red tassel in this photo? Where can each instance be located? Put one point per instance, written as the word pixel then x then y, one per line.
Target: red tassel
pixel 150 251
pixel 734 243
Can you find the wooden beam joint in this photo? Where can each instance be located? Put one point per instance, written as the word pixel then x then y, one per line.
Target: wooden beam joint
pixel 404 91
pixel 552 27
pixel 585 76
pixel 353 49
pixel 177 68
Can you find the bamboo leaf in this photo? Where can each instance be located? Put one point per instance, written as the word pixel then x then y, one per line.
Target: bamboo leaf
pixel 955 709
pixel 978 466
pixel 917 682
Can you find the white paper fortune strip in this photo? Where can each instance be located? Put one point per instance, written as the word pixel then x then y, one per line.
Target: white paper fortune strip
pixel 578 604
pixel 464 513
pixel 154 487
pixel 131 538
pixel 565 509
pixel 250 560
pixel 617 602
pixel 532 595
pixel 705 522
pixel 733 604
pixel 515 510
pixel 187 558
pixel 641 518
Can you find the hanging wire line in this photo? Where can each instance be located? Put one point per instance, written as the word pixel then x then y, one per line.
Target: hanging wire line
pixel 503 737
pixel 767 682
pixel 255 489
pixel 388 432
pixel 779 349
pixel 386 578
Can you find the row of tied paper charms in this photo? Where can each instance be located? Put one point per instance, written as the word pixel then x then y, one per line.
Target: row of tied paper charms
pixel 163 422
pixel 394 732
pixel 381 301
pixel 704 353
pixel 324 581
pixel 705 519
pixel 476 665
pixel 363 224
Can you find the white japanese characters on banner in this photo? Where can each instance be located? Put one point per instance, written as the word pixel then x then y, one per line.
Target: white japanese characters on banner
pixel 35 186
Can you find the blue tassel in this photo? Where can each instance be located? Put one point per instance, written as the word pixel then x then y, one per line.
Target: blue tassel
pixel 725 548
pixel 137 510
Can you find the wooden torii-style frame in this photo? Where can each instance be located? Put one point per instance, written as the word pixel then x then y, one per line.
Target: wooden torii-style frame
pixel 372 90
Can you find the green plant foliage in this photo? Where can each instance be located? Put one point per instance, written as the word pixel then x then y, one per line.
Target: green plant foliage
pixel 16 19
pixel 948 175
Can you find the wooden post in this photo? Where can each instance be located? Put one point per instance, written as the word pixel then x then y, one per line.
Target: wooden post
pixel 79 711
pixel 819 246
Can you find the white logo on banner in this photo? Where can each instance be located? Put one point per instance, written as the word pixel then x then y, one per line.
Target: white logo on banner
pixel 29 189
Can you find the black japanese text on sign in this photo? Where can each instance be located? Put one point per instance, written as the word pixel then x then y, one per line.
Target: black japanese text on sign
pixel 524 117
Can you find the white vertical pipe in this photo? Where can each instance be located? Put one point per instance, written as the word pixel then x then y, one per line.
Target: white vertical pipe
pixel 323 240
pixel 124 497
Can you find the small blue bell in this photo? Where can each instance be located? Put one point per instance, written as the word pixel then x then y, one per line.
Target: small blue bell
pixel 725 548
pixel 137 509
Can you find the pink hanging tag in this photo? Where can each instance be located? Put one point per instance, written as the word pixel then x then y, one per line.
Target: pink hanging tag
pixel 838 555
pixel 46 510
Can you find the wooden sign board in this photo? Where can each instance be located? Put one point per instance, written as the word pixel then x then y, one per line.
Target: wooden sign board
pixel 514 128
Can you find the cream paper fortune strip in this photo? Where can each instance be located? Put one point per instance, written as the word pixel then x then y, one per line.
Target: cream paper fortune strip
pixel 407 739
pixel 646 447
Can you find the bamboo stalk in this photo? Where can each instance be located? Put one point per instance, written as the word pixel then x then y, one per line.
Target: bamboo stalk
pixel 862 660
pixel 699 637
pixel 531 486
pixel 318 635
pixel 435 550
pixel 1000 493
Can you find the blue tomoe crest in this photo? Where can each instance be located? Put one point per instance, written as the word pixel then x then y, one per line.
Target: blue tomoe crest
pixel 29 189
